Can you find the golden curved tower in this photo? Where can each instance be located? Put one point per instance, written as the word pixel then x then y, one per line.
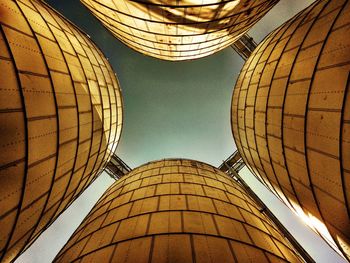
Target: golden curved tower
pixel 176 210
pixel 291 116
pixel 60 119
pixel 178 30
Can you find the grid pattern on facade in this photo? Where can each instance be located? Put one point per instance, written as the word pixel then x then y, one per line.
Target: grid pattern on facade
pixel 176 211
pixel 291 115
pixel 178 30
pixel 60 119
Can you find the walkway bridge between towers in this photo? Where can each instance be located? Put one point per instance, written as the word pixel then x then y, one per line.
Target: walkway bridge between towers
pixel 116 168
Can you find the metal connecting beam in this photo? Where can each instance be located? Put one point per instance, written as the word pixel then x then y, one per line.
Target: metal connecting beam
pixel 244 46
pixel 231 166
pixel 235 162
pixel 116 168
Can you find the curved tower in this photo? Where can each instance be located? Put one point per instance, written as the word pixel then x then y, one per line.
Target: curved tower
pixel 60 119
pixel 178 30
pixel 176 211
pixel 291 115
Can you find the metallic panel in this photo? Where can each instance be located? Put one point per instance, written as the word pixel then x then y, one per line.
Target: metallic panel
pixel 60 119
pixel 178 30
pixel 176 210
pixel 291 120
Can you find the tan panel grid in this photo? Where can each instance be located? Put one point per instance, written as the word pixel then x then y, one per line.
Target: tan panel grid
pixel 60 119
pixel 176 210
pixel 290 115
pixel 178 30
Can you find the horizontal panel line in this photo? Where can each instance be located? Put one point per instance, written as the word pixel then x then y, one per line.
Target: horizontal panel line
pixel 324 110
pixel 11 110
pixel 5 58
pixel 293 149
pixel 17 30
pixel 67 107
pixel 334 65
pixel 14 163
pixel 323 153
pixel 299 80
pixel 8 212
pixel 294 115
pixel 41 117
pixel 42 160
pixel 33 74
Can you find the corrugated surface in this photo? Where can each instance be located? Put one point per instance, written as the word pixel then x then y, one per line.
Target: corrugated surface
pixel 60 118
pixel 176 211
pixel 291 114
pixel 178 30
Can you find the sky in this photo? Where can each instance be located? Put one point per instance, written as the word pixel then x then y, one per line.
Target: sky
pixel 172 109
